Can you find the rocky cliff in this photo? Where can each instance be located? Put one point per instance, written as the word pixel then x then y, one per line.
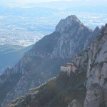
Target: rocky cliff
pixel 97 72
pixel 45 58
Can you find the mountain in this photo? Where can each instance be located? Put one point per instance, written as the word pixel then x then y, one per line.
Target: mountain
pixel 43 61
pixel 10 54
pixel 59 91
pixel 85 86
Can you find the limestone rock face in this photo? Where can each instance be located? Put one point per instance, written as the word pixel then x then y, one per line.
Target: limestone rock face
pixel 97 72
pixel 105 93
pixel 94 96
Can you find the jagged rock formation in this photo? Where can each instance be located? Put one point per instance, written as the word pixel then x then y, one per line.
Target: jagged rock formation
pixel 94 96
pixel 72 30
pixel 97 72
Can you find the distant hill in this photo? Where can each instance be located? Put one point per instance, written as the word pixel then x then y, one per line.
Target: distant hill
pixel 10 55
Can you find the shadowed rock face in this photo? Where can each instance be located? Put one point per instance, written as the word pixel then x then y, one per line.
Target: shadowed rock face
pixel 105 94
pixel 43 61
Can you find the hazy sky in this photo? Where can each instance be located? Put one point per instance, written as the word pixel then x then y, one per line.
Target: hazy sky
pixel 35 18
pixel 19 3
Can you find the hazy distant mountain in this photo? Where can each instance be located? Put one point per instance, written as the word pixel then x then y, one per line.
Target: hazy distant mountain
pixel 10 55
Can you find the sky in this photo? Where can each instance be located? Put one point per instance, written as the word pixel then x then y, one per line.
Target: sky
pixel 21 3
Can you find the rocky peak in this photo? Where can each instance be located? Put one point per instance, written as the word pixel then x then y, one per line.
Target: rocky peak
pixel 69 37
pixel 68 23
pixel 96 31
